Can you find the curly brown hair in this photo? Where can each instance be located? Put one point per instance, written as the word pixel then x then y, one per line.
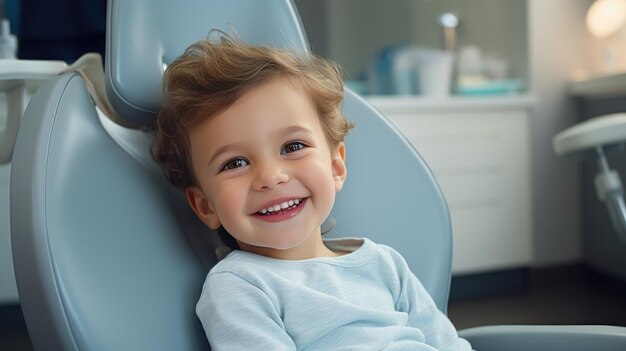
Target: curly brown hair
pixel 212 74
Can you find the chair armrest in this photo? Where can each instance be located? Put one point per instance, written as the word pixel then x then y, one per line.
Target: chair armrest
pixel 546 337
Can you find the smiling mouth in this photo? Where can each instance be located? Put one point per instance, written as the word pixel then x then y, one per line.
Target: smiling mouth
pixel 281 207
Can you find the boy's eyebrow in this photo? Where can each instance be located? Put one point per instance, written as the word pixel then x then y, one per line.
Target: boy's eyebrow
pixel 220 150
pixel 294 129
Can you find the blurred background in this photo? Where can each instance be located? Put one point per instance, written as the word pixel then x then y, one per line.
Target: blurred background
pixel 480 88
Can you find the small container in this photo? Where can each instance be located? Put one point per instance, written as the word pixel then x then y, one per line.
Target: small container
pixel 8 41
pixel 423 71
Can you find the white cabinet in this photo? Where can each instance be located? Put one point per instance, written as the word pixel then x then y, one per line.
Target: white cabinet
pixel 479 151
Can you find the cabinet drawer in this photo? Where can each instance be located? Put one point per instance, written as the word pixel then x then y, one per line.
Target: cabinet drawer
pixel 482 162
pixel 489 236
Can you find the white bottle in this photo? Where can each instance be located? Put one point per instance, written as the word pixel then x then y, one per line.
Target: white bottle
pixel 8 42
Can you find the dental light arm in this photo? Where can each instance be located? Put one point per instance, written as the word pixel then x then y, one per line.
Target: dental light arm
pixel 609 190
pixel 590 139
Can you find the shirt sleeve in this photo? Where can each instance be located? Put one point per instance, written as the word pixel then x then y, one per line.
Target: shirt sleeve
pixel 423 312
pixel 237 315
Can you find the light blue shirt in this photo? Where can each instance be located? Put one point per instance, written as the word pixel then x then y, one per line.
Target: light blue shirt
pixel 367 299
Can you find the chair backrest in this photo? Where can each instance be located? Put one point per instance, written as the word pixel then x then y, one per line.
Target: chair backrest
pixel 107 254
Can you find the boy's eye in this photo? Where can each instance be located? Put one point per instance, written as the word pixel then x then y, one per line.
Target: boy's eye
pixel 292 147
pixel 234 163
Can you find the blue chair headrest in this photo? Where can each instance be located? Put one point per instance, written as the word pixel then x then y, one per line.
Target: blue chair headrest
pixel 144 36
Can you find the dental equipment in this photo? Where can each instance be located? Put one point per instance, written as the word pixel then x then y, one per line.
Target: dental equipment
pixel 449 22
pixel 594 138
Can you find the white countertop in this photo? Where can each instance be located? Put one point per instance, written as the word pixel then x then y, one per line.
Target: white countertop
pixel 613 84
pixel 406 103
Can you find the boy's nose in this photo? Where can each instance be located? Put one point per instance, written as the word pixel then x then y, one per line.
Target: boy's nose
pixel 269 176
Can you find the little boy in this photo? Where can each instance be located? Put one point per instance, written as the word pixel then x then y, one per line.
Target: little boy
pixel 254 136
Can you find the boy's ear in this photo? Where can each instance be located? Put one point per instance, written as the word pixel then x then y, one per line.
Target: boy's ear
pixel 339 166
pixel 201 206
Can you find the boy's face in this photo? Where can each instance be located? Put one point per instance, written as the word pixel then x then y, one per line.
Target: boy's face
pixel 265 170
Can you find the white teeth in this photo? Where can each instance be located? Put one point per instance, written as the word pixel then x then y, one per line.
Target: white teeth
pixel 280 206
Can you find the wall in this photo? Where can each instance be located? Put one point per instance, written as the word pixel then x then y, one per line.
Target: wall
pixel 315 23
pixel 596 63
pixel 352 31
pixel 358 29
pixel 559 46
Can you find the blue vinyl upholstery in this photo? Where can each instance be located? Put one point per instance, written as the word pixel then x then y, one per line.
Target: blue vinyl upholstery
pixel 143 35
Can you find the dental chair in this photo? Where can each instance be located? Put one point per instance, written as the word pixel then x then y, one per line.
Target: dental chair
pixel 107 254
